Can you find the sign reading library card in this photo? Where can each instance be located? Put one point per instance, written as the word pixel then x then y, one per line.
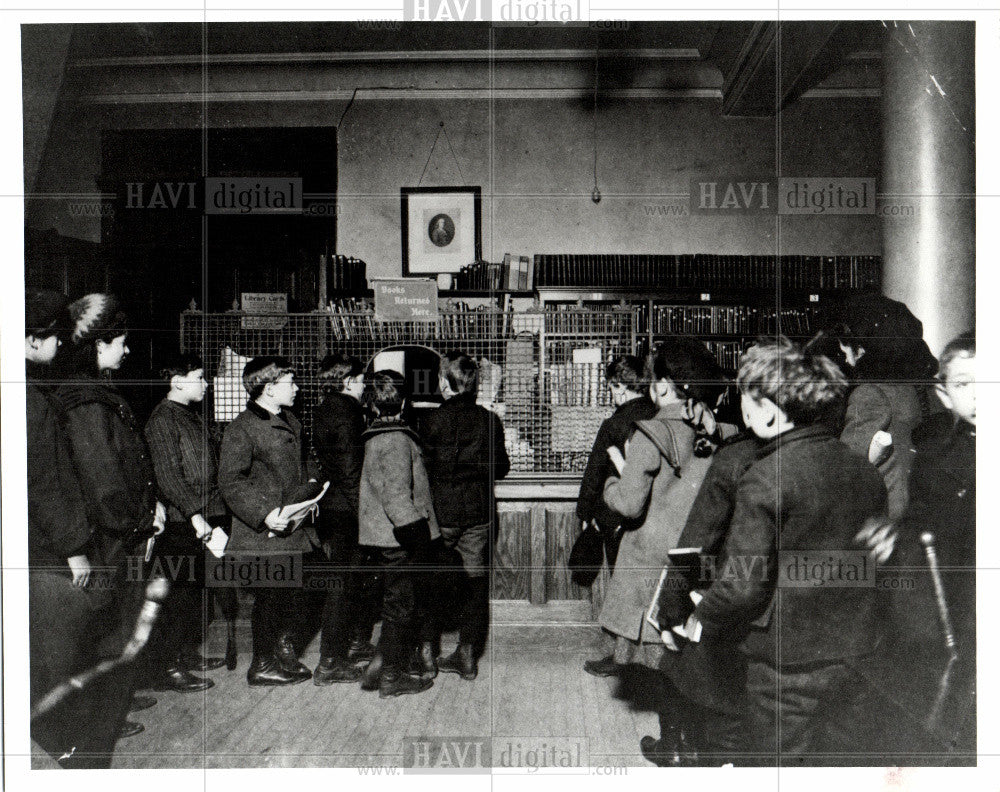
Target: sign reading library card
pixel 259 309
pixel 406 300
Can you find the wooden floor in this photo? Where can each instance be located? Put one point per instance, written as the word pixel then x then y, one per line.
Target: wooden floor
pixel 522 696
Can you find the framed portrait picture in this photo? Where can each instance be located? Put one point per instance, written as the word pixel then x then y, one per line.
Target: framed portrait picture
pixel 441 228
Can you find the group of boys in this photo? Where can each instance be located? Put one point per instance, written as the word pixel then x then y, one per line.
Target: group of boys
pixel 764 659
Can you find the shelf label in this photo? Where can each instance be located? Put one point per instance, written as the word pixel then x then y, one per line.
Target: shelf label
pixel 705 296
pixel 813 298
pixel 265 305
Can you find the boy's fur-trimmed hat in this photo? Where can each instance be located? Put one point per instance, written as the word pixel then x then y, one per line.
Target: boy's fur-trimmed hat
pixel 96 316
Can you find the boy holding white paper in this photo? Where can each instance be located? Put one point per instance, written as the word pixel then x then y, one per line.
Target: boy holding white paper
pixel 184 457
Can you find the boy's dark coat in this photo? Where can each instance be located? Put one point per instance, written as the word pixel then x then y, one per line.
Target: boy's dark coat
pixel 464 451
pixel 261 465
pixel 807 496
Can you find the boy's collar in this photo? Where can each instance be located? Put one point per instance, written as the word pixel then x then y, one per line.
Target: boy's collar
pixel 261 412
pixel 791 435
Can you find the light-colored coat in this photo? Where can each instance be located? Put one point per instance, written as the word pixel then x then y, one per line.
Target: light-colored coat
pixel 394 486
pixel 659 483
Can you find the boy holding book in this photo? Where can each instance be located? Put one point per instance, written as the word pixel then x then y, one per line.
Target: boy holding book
pixel 808 608
pixel 262 467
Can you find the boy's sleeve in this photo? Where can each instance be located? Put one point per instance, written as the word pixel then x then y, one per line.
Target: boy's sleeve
pixel 245 497
pixel 867 412
pixel 594 476
pixel 501 462
pixel 165 451
pixel 395 475
pixel 733 602
pixel 629 495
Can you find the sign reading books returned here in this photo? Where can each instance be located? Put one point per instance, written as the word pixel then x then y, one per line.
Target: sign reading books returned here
pixel 406 300
pixel 263 303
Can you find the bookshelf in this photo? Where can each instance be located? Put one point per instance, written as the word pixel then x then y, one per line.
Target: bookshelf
pixel 726 301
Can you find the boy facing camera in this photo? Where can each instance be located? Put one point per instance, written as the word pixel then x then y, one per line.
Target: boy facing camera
pixel 396 518
pixel 803 501
pixel 943 502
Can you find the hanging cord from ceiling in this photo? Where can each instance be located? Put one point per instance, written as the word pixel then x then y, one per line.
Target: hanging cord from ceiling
pixel 595 196
pixel 451 148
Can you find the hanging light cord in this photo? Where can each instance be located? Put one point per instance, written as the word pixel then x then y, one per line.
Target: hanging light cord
pixel 594 124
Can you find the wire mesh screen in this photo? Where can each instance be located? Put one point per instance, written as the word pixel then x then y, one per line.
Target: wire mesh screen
pixel 541 372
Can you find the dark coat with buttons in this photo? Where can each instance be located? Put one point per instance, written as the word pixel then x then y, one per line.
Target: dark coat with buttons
pixel 112 464
pixel 261 465
pixel 337 426
pixel 801 503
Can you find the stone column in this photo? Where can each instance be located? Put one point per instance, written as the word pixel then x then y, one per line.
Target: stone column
pixel 928 163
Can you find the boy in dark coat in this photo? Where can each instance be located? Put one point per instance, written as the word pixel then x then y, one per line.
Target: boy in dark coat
pixel 396 518
pixel 185 460
pixel 943 503
pixel 807 585
pixel 465 454
pixel 337 426
pixel 710 675
pixel 61 611
pixel 630 395
pixel 262 467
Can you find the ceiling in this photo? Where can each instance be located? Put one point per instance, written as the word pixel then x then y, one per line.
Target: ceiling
pixel 755 68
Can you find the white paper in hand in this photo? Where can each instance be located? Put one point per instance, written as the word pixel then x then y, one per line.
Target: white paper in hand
pixel 217 543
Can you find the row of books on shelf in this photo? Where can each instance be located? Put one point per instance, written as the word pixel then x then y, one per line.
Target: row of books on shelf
pixel 577 385
pixel 707 271
pixel 345 273
pixel 514 273
pixel 728 353
pixel 731 319
pixel 578 321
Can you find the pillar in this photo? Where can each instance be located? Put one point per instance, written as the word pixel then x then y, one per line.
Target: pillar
pixel 928 163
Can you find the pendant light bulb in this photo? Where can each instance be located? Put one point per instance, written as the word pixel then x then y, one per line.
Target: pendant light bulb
pixel 595 196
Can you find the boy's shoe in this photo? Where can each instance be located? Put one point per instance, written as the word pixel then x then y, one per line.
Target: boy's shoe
pixel 288 658
pixel 605 667
pixel 670 751
pixel 195 661
pixel 177 678
pixel 462 662
pixel 140 703
pixel 372 675
pixel 266 671
pixel 360 650
pixel 332 669
pixel 424 664
pixel 130 729
pixel 398 683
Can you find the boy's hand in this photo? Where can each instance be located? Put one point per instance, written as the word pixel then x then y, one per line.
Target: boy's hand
pixel 274 522
pixel 879 537
pixel 159 519
pixel 201 527
pixel 669 641
pixel 413 536
pixel 80 567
